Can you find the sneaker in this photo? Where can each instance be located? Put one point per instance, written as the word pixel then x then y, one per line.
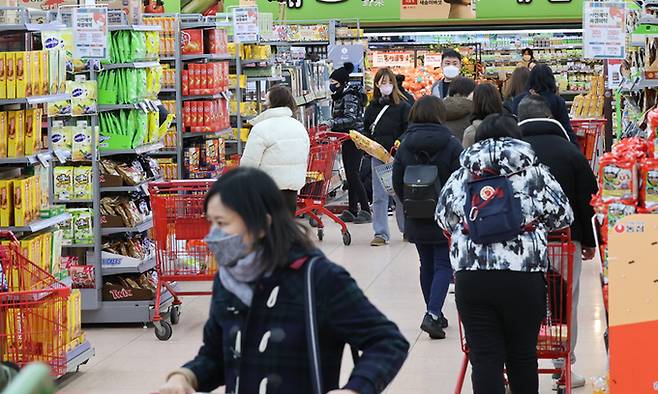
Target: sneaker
pixel 378 241
pixel 451 288
pixel 347 216
pixel 363 217
pixel 432 327
pixel 576 380
pixel 443 321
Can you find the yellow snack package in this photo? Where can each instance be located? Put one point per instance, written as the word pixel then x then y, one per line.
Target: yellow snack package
pixel 3 75
pixel 44 63
pixel 6 202
pixel 81 142
pixel 3 134
pixel 63 183
pixel 35 65
pixel 22 71
pixel 21 195
pixel 82 183
pixel 11 74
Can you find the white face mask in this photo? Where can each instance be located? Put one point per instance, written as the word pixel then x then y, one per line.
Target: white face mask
pixel 451 72
pixel 386 89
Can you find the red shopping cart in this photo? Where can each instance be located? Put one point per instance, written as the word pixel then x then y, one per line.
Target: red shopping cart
pixel 590 137
pixel 33 311
pixel 555 334
pixel 313 196
pixel 180 227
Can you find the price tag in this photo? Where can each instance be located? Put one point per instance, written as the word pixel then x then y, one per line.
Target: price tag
pixel 143 106
pixel 61 155
pixel 145 188
pixel 44 158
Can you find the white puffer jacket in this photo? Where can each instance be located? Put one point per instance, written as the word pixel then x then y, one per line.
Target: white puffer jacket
pixel 278 144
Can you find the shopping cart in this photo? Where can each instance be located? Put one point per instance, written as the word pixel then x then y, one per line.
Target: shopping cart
pixel 555 334
pixel 180 227
pixel 313 196
pixel 590 137
pixel 32 311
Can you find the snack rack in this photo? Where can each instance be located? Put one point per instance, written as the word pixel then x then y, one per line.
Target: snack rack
pixel 19 28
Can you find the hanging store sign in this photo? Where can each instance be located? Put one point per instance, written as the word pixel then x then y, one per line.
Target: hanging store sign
pixel 432 60
pixel 392 59
pixel 90 32
pixel 603 30
pixel 245 24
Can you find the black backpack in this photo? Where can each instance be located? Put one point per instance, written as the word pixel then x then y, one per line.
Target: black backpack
pixel 422 186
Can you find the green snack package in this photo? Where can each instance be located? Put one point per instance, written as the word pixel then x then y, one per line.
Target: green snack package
pixel 107 93
pixel 141 92
pixel 131 86
pixel 141 127
pixel 137 45
pixel 125 47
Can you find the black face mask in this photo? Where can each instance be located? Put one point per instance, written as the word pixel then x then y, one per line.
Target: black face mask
pixel 334 87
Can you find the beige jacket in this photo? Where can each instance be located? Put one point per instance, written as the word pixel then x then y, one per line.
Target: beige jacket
pixel 469 133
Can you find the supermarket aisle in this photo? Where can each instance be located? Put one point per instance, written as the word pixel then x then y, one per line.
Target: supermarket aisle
pixel 130 360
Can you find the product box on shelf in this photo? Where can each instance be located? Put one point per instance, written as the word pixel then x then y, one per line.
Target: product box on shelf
pixel 3 134
pixel 82 182
pixel 83 227
pixel 81 148
pixel 6 202
pixel 83 276
pixel 192 41
pixel 32 130
pixel 10 72
pixel 22 73
pixel 3 75
pixel 44 63
pixel 15 133
pixel 63 183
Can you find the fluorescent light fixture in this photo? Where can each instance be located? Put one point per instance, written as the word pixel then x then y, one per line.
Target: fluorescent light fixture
pixel 471 32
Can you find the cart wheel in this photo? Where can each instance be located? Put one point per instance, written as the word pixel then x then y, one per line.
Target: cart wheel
pixel 174 316
pixel 164 332
pixel 347 238
pixel 320 234
pixel 561 390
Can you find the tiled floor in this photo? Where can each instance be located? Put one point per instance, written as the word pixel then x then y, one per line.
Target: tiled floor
pixel 129 359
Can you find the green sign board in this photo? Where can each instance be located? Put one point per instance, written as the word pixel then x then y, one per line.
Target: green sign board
pixel 391 11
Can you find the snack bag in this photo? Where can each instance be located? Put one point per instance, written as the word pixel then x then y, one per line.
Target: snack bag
pixel 649 183
pixel 82 183
pixel 371 147
pixel 81 145
pixel 83 226
pixel 618 178
pixel 66 227
pixel 618 210
pixel 63 183
pixel 62 137
pixel 84 96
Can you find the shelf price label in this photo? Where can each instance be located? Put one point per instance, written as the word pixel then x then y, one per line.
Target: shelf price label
pixel 90 32
pixel 603 30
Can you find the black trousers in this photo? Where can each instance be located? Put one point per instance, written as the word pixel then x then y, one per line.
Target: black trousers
pixel 502 312
pixel 290 196
pixel 356 192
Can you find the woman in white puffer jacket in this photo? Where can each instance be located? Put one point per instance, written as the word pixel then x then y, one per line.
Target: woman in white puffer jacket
pixel 279 144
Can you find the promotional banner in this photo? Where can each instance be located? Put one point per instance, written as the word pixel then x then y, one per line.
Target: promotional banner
pixel 245 24
pixel 391 11
pixel 90 32
pixel 603 30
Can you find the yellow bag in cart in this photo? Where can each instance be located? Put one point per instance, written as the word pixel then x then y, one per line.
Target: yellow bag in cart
pixel 371 147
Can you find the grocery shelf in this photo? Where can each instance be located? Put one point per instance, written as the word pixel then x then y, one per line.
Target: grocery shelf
pixel 79 246
pixel 32 27
pixel 134 27
pixel 29 159
pixel 267 79
pixel 204 25
pixel 114 107
pixel 75 201
pixel 140 186
pixel 34 100
pixel 168 90
pixel 140 228
pixel 295 43
pixel 136 151
pixel 204 97
pixel 163 153
pixel 127 311
pixel 207 56
pixel 79 356
pixel 144 64
pixel 207 133
pixel 143 266
pixel 254 61
pixel 40 224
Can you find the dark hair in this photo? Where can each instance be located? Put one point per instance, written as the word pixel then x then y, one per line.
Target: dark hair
pixel 534 106
pixel 400 78
pixel 396 95
pixel 281 96
pixel 541 79
pixel 451 53
pixel 428 109
pixel 253 195
pixel 498 126
pixel 517 84
pixel 462 86
pixel 486 101
pixel 529 52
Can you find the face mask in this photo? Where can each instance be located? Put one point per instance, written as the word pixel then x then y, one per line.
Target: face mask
pixel 227 248
pixel 451 72
pixel 526 57
pixel 386 89
pixel 334 87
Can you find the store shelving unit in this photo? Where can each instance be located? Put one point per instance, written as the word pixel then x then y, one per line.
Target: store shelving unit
pixel 45 158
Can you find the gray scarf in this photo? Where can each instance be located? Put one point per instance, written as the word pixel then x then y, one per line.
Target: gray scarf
pixel 239 277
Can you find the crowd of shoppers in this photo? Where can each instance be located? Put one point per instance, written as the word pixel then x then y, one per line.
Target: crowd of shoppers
pixel 448 143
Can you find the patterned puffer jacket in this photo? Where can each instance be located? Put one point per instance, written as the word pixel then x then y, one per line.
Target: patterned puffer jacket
pixel 542 201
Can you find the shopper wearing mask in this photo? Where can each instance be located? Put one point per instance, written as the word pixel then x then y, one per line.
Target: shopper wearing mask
pixel 428 142
pixel 279 144
pixel 528 59
pixel 542 82
pixel 451 65
pixel 486 101
pixel 347 114
pixel 515 86
pixel 459 106
pixel 574 174
pixel 256 338
pixel 500 285
pixel 385 121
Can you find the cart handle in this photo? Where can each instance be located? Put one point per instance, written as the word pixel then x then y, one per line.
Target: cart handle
pixel 6 234
pixel 324 135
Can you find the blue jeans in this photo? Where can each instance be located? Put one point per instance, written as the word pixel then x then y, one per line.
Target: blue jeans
pixel 435 275
pixel 380 206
